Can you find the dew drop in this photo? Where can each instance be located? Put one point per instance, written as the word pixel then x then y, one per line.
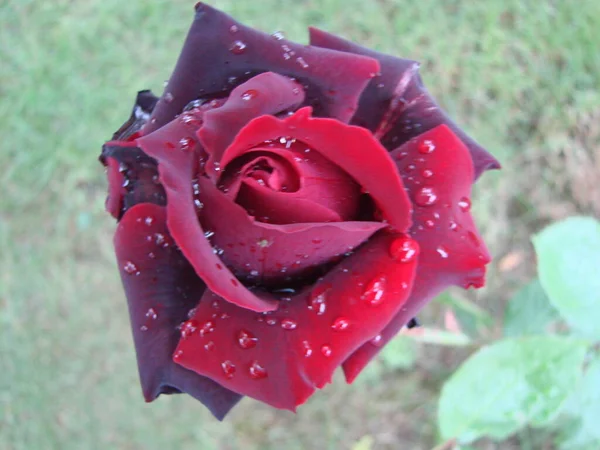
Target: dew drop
pixel 271 321
pixel 233 29
pixel 151 313
pixel 377 341
pixel 188 328
pixel 442 251
pixel 178 354
pixel 209 346
pixel 207 328
pixel 238 47
pixel 426 196
pixel 228 368
pixel 326 351
pixel 307 349
pixel 340 324
pixel 289 324
pixel 143 328
pixel 148 221
pixel 453 225
pixel 317 300
pixel 198 204
pixel 427 173
pixel 257 371
pixel 301 62
pixel 246 340
pixel 263 243
pixel 168 97
pixel 130 268
pixel 426 146
pixel 464 204
pixel 429 223
pixel 374 291
pixel 151 255
pixel 404 249
pixel 278 35
pixel 249 94
pixel 186 143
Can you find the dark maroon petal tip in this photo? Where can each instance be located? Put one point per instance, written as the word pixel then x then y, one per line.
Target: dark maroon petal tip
pixel 280 358
pixel 396 106
pixel 161 289
pixel 220 53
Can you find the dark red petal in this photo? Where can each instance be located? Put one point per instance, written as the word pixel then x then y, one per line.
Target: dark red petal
pixel 438 173
pixel 396 105
pixel 116 191
pixel 267 93
pixel 220 53
pixel 132 177
pixel 174 147
pixel 280 358
pixel 352 149
pixel 161 289
pixel 270 252
pixel 140 114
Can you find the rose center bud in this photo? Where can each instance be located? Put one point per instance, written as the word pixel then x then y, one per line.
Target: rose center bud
pixel 286 181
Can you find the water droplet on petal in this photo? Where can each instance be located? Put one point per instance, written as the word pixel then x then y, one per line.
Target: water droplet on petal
pixel 427 173
pixel 278 35
pixel 303 64
pixel 426 196
pixel 178 354
pixel 442 251
pixel 148 221
pixel 464 204
pixel 374 291
pixel 168 97
pixel 246 340
pixel 289 324
pixel 151 313
pixel 271 321
pixel 238 47
pixel 209 346
pixel 318 298
pixel 307 349
pixel 228 368
pixel 377 341
pixel 130 268
pixel 326 351
pixel 188 328
pixel 426 146
pixel 207 327
pixel 233 29
pixel 340 324
pixel 249 94
pixel 404 249
pixel 143 328
pixel 257 371
pixel 186 143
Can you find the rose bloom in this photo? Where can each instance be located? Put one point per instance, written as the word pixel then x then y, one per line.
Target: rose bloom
pixel 284 210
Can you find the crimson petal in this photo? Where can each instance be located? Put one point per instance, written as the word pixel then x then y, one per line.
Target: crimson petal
pixel 280 358
pixel 396 105
pixel 219 53
pixel 177 153
pixel 352 149
pixel 161 288
pixel 438 173
pixel 267 93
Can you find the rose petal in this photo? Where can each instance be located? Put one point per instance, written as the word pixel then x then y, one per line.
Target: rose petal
pixel 452 252
pixel 144 105
pixel 280 358
pixel 220 53
pixel 267 93
pixel 177 153
pixel 161 288
pixel 352 149
pixel 269 252
pixel 132 177
pixel 396 105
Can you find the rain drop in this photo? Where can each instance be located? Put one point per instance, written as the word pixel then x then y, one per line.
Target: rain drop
pixel 377 341
pixel 233 29
pixel 178 354
pixel 374 291
pixel 209 346
pixel 317 300
pixel 340 324
pixel 257 371
pixel 188 328
pixel 426 146
pixel 130 268
pixel 271 321
pixel 151 313
pixel 426 196
pixel 238 47
pixel 148 221
pixel 289 324
pixel 404 249
pixel 207 327
pixel 246 340
pixel 427 173
pixel 249 95
pixel 307 349
pixel 303 64
pixel 228 368
pixel 326 351
pixel 442 251
pixel 278 35
pixel 186 143
pixel 464 204
pixel 168 97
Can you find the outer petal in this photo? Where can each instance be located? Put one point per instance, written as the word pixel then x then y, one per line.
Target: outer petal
pixel 161 288
pixel 219 53
pixel 396 105
pixel 174 148
pixel 438 173
pixel 281 357
pixel 353 149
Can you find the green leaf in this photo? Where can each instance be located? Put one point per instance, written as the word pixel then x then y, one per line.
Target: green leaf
pixel 509 384
pixel 568 264
pixel 399 353
pixel 583 407
pixel 529 312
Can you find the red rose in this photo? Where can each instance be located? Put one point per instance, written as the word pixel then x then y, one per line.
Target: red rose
pixel 283 210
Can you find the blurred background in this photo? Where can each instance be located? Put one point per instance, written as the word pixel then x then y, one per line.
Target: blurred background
pixel 522 77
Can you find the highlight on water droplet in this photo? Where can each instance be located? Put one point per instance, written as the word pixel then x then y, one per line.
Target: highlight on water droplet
pixel 464 204
pixel 238 47
pixel 130 268
pixel 257 371
pixel 188 328
pixel 151 313
pixel 307 349
pixel 404 249
pixel 317 300
pixel 326 351
pixel 278 35
pixel 207 327
pixel 289 324
pixel 246 340
pixel 442 251
pixel 301 62
pixel 228 368
pixel 249 94
pixel 340 324
pixel 374 291
pixel 168 97
pixel 426 146
pixel 186 143
pixel 426 196
pixel 377 341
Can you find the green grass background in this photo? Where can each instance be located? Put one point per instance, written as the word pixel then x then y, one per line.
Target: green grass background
pixel 521 76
